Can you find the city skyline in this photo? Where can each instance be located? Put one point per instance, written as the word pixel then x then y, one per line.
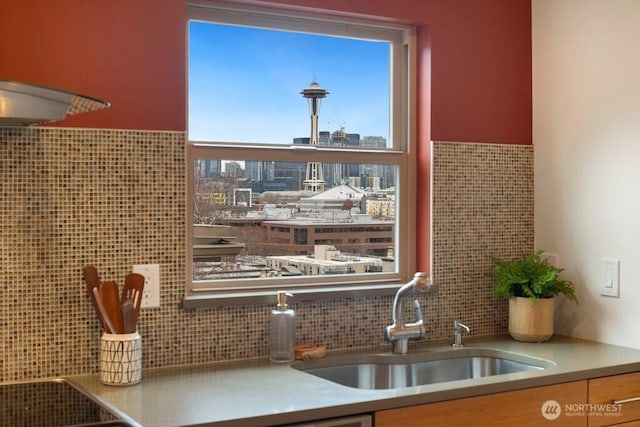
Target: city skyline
pixel 259 74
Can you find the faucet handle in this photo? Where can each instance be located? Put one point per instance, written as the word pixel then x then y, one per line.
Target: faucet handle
pixel 457 326
pixel 417 310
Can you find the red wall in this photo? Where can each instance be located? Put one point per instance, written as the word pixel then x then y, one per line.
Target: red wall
pixel 474 65
pixel 130 53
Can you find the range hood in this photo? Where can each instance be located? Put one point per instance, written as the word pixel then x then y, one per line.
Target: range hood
pixel 23 104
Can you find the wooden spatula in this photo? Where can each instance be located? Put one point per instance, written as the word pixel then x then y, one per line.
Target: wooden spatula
pixel 111 301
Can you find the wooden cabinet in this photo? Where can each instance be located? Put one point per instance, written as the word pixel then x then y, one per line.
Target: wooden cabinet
pixel 622 392
pixel 607 401
pixel 508 409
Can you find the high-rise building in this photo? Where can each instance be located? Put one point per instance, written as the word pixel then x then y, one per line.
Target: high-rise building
pixel 233 169
pixel 210 167
pixel 385 173
pixel 337 173
pixel 291 174
pixel 259 171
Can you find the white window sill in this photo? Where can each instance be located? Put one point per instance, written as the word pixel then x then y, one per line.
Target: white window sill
pixel 269 297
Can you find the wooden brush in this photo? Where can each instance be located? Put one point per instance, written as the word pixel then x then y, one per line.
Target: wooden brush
pixel 309 352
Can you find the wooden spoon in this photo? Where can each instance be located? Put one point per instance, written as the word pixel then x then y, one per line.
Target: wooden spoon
pixel 92 281
pixel 111 301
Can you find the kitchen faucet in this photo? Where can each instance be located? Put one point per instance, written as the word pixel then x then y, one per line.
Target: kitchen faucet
pixel 399 333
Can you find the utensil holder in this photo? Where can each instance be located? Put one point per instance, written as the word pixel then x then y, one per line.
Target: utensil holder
pixel 120 359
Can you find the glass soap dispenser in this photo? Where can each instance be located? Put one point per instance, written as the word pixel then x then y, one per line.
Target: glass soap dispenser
pixel 282 335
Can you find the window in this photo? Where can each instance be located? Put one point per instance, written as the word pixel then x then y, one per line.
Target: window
pixel 300 154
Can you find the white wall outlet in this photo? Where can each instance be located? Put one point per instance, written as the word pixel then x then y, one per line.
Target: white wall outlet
pixel 610 278
pixel 151 293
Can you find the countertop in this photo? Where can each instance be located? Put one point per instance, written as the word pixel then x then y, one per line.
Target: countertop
pixel 260 393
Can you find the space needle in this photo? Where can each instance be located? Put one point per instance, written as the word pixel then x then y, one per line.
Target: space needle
pixel 314 179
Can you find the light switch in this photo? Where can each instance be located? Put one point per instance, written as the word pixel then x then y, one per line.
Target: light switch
pixel 610 278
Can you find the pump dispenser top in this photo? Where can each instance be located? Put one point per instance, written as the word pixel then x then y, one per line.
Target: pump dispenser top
pixel 282 300
pixel 282 336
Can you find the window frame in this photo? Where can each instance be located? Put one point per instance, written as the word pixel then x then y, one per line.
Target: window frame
pixel 402 153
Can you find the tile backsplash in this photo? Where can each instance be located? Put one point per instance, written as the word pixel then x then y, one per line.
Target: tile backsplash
pixel 114 198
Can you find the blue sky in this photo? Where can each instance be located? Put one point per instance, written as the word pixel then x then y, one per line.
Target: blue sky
pixel 245 83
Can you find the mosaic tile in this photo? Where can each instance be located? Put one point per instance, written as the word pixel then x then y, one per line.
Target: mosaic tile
pixel 483 206
pixel 114 198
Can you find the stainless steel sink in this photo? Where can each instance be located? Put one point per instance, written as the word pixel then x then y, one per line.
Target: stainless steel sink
pixel 389 371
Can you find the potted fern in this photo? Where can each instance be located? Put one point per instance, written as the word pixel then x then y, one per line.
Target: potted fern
pixel 531 283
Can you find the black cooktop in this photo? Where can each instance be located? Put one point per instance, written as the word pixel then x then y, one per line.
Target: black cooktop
pixel 51 404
